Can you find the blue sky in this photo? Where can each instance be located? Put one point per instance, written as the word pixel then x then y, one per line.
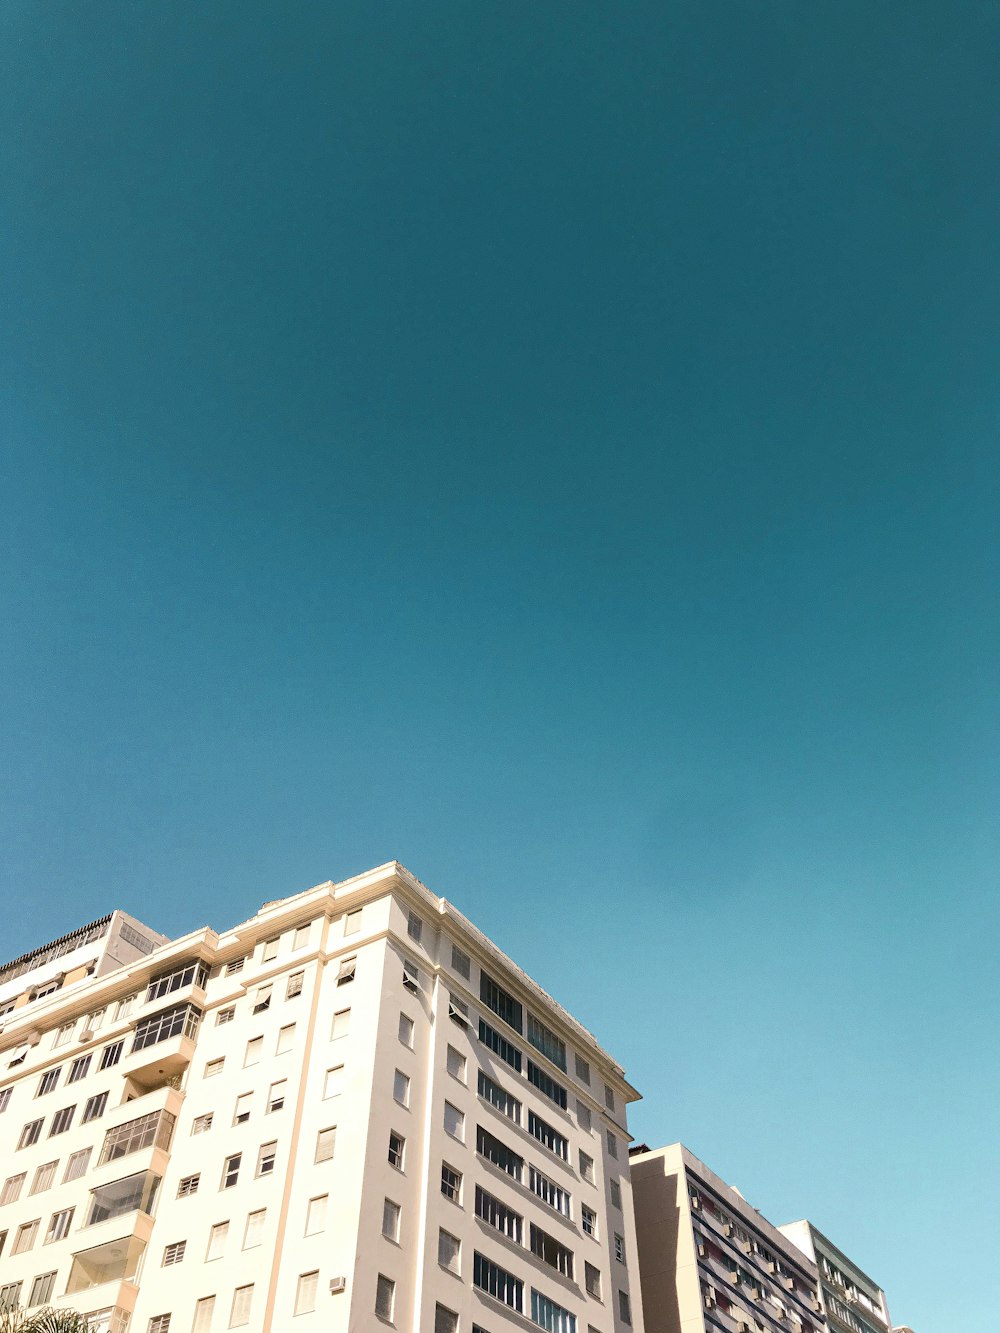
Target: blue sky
pixel 555 446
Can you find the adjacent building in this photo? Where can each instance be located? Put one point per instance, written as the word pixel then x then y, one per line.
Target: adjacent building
pixel 350 1111
pixel 708 1261
pixel 852 1301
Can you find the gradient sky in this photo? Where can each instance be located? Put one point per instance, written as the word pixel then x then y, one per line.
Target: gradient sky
pixel 554 445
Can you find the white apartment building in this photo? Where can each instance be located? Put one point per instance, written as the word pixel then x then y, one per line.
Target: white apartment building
pixel 853 1302
pixel 350 1111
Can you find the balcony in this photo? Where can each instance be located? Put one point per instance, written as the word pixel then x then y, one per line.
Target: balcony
pixel 115 1262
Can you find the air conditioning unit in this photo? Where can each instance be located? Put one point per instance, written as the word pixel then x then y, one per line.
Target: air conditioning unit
pixel 695 1201
pixel 709 1302
pixel 701 1250
pixel 772 1266
pixel 337 1285
pixel 86 1035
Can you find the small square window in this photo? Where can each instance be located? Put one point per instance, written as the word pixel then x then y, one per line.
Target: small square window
pixel 173 1253
pixel 266 1156
pixel 235 966
pixel 456 1064
pixel 390 1220
pixel 270 949
pixel 276 1096
pixel 295 984
pixel 188 1185
pixel 346 971
pixel 201 1124
pixel 262 999
pixel 225 1016
pixel 445 1320
pixel 401 1088
pixel 48 1081
pixel 160 1323
pixel 216 1066
pixel 352 922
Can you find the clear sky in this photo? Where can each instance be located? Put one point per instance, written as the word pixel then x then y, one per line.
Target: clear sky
pixel 554 445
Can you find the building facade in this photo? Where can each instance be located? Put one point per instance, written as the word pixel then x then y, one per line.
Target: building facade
pixel 351 1110
pixel 708 1261
pixel 852 1302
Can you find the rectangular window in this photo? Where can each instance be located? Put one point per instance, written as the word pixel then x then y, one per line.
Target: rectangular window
pixel 112 1054
pixel 499 1154
pixel 235 966
pixel 588 1220
pixel 240 1313
pixel 167 982
pixel 619 1248
pixel 305 1292
pixel 587 1167
pixel 64 1035
pixel 295 983
pixel 276 1096
pixel 548 1136
pixel 460 962
pixel 414 927
pixel 253 1232
pixel 77 1165
pixel 583 1116
pixel 458 1011
pixel 146 1131
pixel 130 1194
pixel 624 1308
pixel 548 1087
pixel 225 1016
pixel 612 1145
pixel 203 1312
pixel 181 1021
pixel 449 1251
pixel 500 1045
pixel 497 1282
pixel 201 1124
pixel 550 1316
pixel 609 1097
pixel 496 1214
pixel 173 1253
pixel 188 1185
pixel 316 1214
pixel 94 1108
pixel 401 1088
pixel 454 1121
pixel 25 1237
pixel 231 1171
pixel 551 1252
pixel 44 1176
pixel 582 1070
pixel 411 976
pixel 406 1030
pixel 262 999
pixel 397 1148
pixel 346 971
pixel 326 1142
pixel 500 1001
pixel 499 1097
pixel 59 1225
pixel 545 1040
pixel 456 1064
pixel 243 1104
pixel 217 1241
pixel 160 1323
pixel 286 1039
pixel 445 1321
pixel 267 1155
pixel 41 1289
pixel 341 1024
pixel 79 1068
pixel 614 1190
pixel 11 1191
pixel 270 950
pixel 93 1022
pixel 592 1281
pixel 63 1119
pixel 549 1192
pixel 30 1134
pixel 385 1297
pixel 352 922
pixel 390 1219
pixel 333 1083
pixel 4 1098
pixel 451 1183
pixel 125 1005
pixel 301 937
pixel 48 1081
pixel 255 1047
pixel 10 1296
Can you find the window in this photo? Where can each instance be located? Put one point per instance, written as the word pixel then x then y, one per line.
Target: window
pixel 548 1087
pixel 112 1054
pixel 414 927
pixel 225 1016
pixel 385 1297
pixel 582 1069
pixel 397 1147
pixel 301 937
pixel 305 1292
pixel 624 1308
pixel 44 1176
pixel 551 1252
pixel 188 1185
pixel 167 982
pixel 156 1128
pixel 500 1001
pixel 252 1054
pixel 286 1039
pixel 345 974
pixel 173 1253
pixel 411 976
pixel 352 922
pixel 30 1134
pixel 270 949
pixel 401 1088
pixel 94 1108
pixel 548 1315
pixel 235 966
pixel 460 962
pixel 276 1096
pixel 445 1321
pixel 316 1214
pixel 583 1116
pixel 231 1171
pixel 496 1214
pixel 451 1183
pixel 612 1145
pixel 25 1237
pixel 217 1241
pixel 48 1081
pixel 390 1220
pixel 609 1097
pixel 588 1220
pixel 79 1068
pixel 500 1045
pixel 497 1282
pixel 545 1040
pixel 181 1021
pixel 253 1232
pixel 10 1296
pixel 240 1313
pixel 77 1165
pixel 62 1120
pixel 204 1310
pixel 21 1054
pixel 454 1121
pixel 549 1192
pixel 125 1005
pixel 64 1035
pixel 499 1097
pixel 587 1167
pixel 619 1248
pixel 341 1025
pixel 11 1191
pixel 548 1136
pixel 406 1030
pixel 616 1193
pixel 326 1142
pixel 266 1156
pixel 242 1113
pixel 160 1323
pixel 4 1098
pixel 128 1195
pixel 295 984
pixel 41 1289
pixel 449 1251
pixel 458 1011
pixel 59 1225
pixel 499 1154
pixel 333 1083
pixel 201 1124
pixel 262 998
